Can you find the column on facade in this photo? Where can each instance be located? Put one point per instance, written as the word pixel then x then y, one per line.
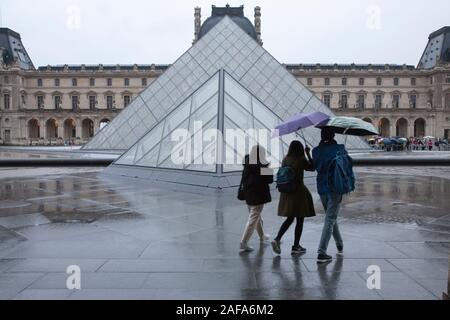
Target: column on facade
pixel 393 126
pixel 60 129
pixel 42 131
pixel 78 129
pixel 411 127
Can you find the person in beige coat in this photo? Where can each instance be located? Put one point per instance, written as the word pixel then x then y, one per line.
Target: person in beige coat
pixel 297 205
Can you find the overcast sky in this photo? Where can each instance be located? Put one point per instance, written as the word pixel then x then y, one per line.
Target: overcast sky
pixel 151 31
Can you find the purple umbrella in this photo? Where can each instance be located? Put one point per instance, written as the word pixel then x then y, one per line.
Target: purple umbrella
pixel 300 121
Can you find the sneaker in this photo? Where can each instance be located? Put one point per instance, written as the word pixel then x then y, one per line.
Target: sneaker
pixel 323 258
pixel 265 238
pixel 245 248
pixel 276 246
pixel 298 250
pixel 340 251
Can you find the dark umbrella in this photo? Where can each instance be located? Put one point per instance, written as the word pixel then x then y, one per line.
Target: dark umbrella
pixel 349 126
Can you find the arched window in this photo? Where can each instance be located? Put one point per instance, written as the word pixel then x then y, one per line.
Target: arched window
pixel 419 127
pixel 87 131
pixel 70 129
pixel 33 129
pixel 402 128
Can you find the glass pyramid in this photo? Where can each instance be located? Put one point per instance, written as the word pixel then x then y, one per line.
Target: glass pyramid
pixel 225 108
pixel 226 47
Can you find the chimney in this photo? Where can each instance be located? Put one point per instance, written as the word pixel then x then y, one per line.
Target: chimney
pixel 258 24
pixel 197 23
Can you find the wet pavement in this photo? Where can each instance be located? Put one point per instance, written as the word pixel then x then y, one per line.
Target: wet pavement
pixel 135 241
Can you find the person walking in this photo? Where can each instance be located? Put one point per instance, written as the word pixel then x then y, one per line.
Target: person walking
pixel 255 191
pixel 334 179
pixel 298 203
pixel 430 145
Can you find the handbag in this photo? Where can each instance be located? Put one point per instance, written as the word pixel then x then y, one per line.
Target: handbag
pixel 241 190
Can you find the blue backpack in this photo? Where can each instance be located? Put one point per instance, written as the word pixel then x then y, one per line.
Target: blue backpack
pixel 341 179
pixel 286 182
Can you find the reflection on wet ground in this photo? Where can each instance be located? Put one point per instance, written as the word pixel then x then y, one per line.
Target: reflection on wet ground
pixel 136 241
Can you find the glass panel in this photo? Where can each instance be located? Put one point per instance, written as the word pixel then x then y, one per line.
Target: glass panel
pixel 205 112
pixel 149 141
pixel 180 114
pixel 238 93
pixel 206 92
pixel 234 111
pixel 128 158
pixel 261 113
pixel 150 159
pixel 167 144
pixel 209 150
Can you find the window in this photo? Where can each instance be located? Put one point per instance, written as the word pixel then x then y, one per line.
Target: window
pixel 396 81
pixel 447 79
pixel 6 80
pixel 109 82
pixel 40 102
pixel 413 81
pixel 92 82
pixel 23 99
pixel 126 101
pixel 378 101
pixel 7 101
pixel 327 100
pixel 127 82
pixel 58 104
pixel 327 81
pixel 431 80
pixel 396 101
pixel 57 82
pixel 310 81
pixel 361 101
pixel 75 103
pixel 361 81
pixel 344 101
pixel 379 81
pixel 39 82
pixel 344 81
pixel 92 102
pixel 109 102
pixel 144 82
pixel 413 101
pixel 74 82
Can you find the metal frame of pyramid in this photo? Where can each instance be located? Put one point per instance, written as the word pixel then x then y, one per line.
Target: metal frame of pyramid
pixel 228 106
pixel 226 52
pixel 227 47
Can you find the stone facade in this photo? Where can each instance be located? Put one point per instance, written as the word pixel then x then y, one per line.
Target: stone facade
pixel 399 100
pixel 57 105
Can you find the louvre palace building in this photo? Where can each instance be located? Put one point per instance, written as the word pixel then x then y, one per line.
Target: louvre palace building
pixel 55 104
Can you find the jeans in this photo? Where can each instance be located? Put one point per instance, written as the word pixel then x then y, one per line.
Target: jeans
pixel 331 203
pixel 254 222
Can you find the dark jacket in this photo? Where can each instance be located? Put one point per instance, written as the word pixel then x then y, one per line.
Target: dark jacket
pixel 300 203
pixel 256 186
